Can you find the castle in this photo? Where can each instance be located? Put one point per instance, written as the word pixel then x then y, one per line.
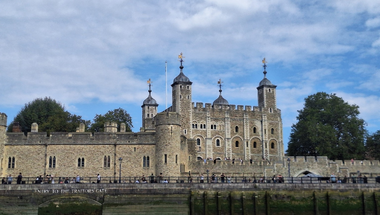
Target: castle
pixel 176 142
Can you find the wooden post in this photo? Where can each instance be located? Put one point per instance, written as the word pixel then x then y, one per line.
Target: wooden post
pixel 267 203
pixel 315 200
pixel 328 203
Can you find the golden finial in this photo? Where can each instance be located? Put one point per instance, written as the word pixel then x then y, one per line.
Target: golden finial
pixel 264 61
pixel 148 81
pixel 180 56
pixel 220 81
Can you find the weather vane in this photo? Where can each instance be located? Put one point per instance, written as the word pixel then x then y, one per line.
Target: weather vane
pixel 180 57
pixel 220 85
pixel 265 64
pixel 149 81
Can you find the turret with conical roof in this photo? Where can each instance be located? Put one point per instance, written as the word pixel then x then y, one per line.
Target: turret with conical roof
pixel 149 110
pixel 181 99
pixel 266 92
pixel 220 100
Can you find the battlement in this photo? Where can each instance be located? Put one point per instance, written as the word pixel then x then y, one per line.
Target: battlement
pixel 3 119
pixel 80 138
pixel 167 118
pixel 200 106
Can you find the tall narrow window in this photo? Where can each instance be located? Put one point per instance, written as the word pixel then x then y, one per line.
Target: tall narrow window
pixel 217 142
pixel 254 144
pixel 272 145
pixel 50 161
pixel 246 144
pixel 109 161
pixel 82 162
pixel 254 130
pixel 198 142
pixel 105 161
pixel 147 161
pixel 54 162
pixel 78 162
pixel 176 159
pixel 165 158
pixel 144 161
pixel 272 131
pixel 236 129
pixel 13 162
pixel 237 144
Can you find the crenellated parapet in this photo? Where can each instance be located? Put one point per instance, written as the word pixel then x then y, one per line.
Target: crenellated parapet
pixel 3 119
pixel 80 138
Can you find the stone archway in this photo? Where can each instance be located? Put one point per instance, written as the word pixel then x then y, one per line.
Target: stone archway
pixel 70 204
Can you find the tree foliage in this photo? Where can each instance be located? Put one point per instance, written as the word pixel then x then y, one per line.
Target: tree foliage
pixel 49 115
pixel 328 126
pixel 373 146
pixel 118 115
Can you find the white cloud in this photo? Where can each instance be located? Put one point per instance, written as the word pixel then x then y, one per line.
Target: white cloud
pixel 373 23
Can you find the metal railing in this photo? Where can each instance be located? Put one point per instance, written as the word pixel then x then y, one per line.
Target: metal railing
pixel 197 179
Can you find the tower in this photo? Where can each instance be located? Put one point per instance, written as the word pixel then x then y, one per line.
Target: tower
pixel 3 126
pixel 181 99
pixel 168 143
pixel 267 103
pixel 149 110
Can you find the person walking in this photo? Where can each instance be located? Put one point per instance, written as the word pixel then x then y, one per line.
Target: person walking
pixel 98 179
pixel 10 179
pixel 19 178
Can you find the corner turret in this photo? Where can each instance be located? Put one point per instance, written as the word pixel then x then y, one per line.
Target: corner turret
pixel 149 110
pixel 182 99
pixel 220 100
pixel 266 92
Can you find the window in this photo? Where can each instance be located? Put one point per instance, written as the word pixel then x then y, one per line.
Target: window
pixel 107 161
pixel 236 129
pixel 213 127
pixel 246 144
pixel 272 131
pixel 80 162
pixel 176 159
pixel 52 162
pixel 272 145
pixel 198 142
pixel 11 162
pixel 188 87
pixel 147 115
pixel 254 144
pixel 185 131
pixel 146 161
pixel 217 142
pixel 134 149
pixel 237 144
pixel 254 130
pixel 165 158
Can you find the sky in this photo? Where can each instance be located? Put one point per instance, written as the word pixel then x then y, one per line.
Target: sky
pixel 96 56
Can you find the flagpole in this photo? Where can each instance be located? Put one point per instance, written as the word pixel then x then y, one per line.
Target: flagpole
pixel 166 85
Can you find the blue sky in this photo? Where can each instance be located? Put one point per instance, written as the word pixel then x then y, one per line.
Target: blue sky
pixel 95 56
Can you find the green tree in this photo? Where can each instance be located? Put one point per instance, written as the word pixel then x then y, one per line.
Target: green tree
pixel 373 146
pixel 328 126
pixel 118 115
pixel 49 115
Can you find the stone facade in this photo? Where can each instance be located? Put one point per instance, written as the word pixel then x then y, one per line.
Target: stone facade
pixel 176 142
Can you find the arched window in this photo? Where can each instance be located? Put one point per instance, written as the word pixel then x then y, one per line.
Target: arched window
pixel 198 141
pixel 272 145
pixel 11 162
pixel 80 162
pixel 144 161
pixel 254 130
pixel 176 159
pixel 237 144
pixel 105 161
pixel 254 144
pixel 147 161
pixel 54 161
pixel 217 142
pixel 272 131
pixel 236 129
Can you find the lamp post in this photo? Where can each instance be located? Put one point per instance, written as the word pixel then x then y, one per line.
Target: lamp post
pixel 207 176
pixel 289 167
pixel 120 159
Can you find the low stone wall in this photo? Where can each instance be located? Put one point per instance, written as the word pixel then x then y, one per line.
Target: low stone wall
pixel 190 199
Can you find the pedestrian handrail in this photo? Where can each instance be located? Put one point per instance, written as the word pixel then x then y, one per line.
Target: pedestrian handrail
pixel 196 179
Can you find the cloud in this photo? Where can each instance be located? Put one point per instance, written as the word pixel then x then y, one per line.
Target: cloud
pixel 373 23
